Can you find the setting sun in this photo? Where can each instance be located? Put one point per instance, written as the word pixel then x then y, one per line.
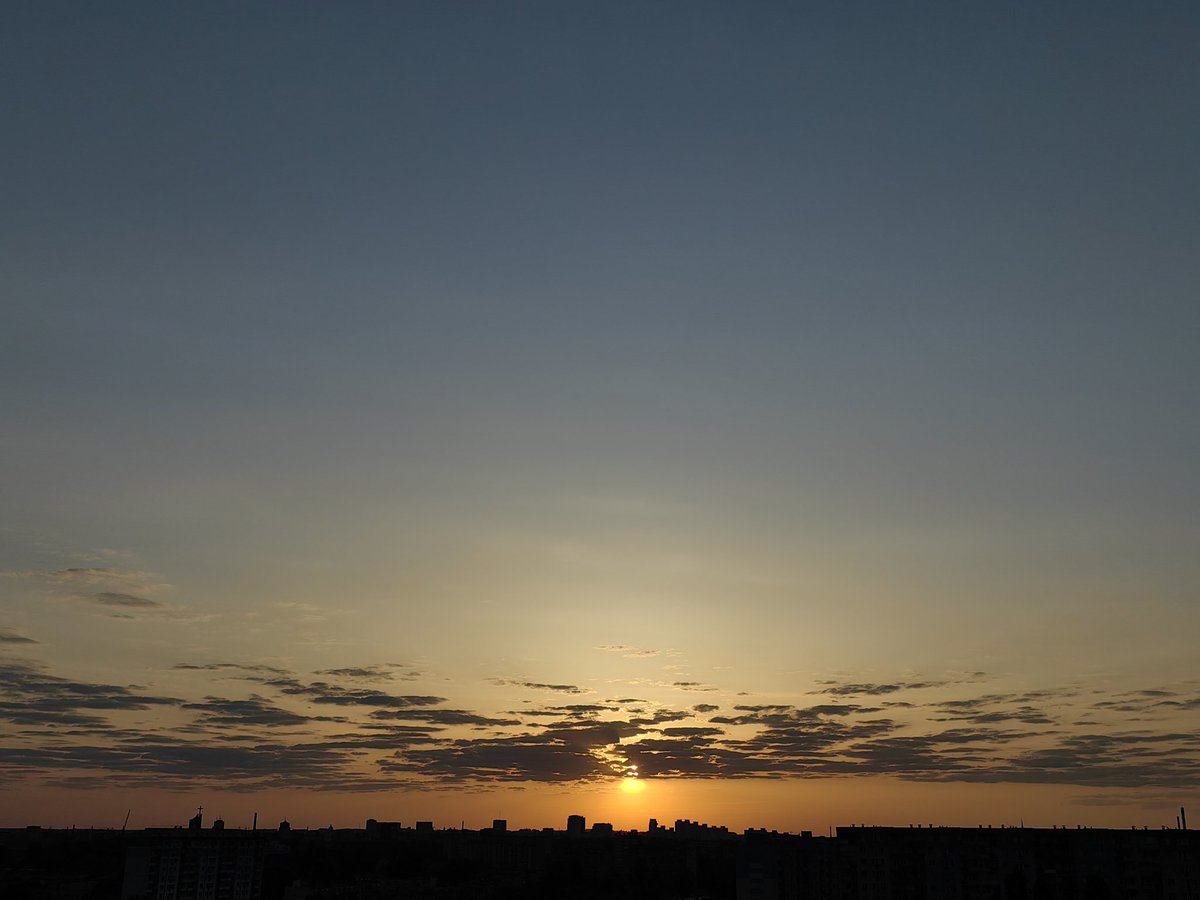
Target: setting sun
pixel 631 784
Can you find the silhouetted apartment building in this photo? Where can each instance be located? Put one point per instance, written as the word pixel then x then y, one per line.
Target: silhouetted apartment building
pixel 192 864
pixel 377 829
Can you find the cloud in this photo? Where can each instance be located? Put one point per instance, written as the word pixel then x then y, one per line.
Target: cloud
pixel 8 636
pixel 374 739
pixel 659 716
pixel 255 668
pixel 875 690
pixel 1026 714
pixel 691 756
pixel 568 715
pixel 116 598
pixel 692 686
pixel 323 692
pixel 693 732
pixel 252 711
pixel 630 652
pixel 100 575
pixel 31 696
pixel 541 686
pixel 442 717
pixel 554 755
pixel 164 763
pixel 383 672
pixel 380 737
pixel 105 579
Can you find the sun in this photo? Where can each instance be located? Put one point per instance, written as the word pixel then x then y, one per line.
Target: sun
pixel 631 784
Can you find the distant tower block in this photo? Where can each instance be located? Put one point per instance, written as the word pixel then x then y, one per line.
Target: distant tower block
pixel 576 824
pixel 499 824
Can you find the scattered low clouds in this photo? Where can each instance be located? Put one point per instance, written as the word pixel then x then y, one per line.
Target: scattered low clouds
pixel 29 695
pixel 347 728
pixel 255 710
pixel 166 763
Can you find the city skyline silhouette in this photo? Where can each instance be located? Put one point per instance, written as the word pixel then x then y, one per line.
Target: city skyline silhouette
pixel 388 859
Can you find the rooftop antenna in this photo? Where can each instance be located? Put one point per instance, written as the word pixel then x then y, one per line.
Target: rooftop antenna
pixel 126 820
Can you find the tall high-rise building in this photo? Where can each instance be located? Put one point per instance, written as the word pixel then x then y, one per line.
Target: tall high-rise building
pixel 214 864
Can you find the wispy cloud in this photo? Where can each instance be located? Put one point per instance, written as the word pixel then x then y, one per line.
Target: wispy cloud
pixel 9 636
pixel 116 598
pixel 541 686
pixel 692 686
pixel 109 578
pixel 631 652
pixel 379 672
pixel 257 669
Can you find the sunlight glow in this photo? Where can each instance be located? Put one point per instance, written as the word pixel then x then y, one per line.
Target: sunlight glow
pixel 631 784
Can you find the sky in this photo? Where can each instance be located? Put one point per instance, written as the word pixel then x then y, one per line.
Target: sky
pixel 766 414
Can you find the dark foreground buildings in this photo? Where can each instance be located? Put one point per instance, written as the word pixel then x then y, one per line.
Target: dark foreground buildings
pixel 391 860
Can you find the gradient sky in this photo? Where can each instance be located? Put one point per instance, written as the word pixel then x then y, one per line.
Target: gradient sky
pixel 433 410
